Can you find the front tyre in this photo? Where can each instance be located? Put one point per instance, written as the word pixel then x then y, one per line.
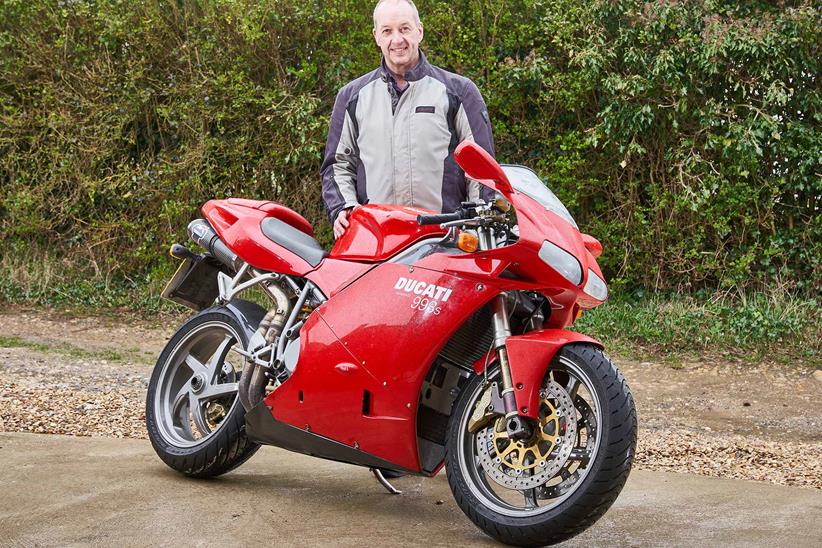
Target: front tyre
pixel 193 414
pixel 563 477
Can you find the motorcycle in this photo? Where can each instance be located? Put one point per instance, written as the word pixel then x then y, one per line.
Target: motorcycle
pixel 420 341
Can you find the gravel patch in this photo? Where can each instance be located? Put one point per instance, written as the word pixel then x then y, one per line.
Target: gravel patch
pixel 117 414
pixel 730 456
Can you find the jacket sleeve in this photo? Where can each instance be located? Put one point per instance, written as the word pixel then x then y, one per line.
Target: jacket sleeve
pixel 473 123
pixel 339 167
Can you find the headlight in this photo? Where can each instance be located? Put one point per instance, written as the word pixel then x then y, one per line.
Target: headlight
pixel 595 287
pixel 561 261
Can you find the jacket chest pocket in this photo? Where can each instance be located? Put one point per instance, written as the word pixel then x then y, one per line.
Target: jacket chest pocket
pixel 428 125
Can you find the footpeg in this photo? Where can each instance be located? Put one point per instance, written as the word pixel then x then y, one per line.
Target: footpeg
pixel 384 482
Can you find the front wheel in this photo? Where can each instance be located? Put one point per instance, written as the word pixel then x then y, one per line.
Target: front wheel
pixel 193 415
pixel 559 480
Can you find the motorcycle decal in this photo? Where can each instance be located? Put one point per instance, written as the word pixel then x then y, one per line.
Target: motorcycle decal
pixel 427 296
pixel 424 289
pixel 425 305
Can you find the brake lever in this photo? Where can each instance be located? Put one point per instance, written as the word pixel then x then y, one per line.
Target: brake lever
pixel 475 222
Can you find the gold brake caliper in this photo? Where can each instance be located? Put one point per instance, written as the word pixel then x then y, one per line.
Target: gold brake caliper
pixel 483 410
pixel 515 453
pixel 215 413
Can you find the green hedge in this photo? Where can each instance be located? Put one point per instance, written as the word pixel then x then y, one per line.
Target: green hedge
pixel 682 134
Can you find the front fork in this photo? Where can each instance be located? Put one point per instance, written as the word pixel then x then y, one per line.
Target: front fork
pixel 515 425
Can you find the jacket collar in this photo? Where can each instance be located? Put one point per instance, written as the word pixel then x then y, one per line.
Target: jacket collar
pixel 416 73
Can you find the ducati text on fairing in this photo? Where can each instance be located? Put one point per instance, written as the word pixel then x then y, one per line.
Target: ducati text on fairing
pixel 418 287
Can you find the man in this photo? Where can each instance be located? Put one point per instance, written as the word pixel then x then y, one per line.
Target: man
pixel 394 130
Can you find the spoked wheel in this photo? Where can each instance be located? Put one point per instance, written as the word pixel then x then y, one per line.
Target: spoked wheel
pixel 561 477
pixel 193 414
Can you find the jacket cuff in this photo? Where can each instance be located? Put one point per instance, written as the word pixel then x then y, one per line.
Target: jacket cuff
pixel 334 213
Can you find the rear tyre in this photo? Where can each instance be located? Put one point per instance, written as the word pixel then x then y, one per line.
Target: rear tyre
pixel 561 480
pixel 194 418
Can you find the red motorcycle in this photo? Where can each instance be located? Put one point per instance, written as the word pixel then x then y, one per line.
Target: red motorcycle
pixel 419 342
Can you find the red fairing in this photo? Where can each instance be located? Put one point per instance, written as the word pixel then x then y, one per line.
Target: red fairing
pixel 536 225
pixel 237 222
pixel 376 232
pixel 526 271
pixel 386 341
pixel 333 275
pixel 272 209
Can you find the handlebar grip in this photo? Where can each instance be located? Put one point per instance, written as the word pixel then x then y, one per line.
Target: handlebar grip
pixel 438 219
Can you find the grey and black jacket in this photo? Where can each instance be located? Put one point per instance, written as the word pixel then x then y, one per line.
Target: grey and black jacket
pixel 389 147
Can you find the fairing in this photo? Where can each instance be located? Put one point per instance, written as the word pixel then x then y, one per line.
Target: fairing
pixel 371 337
pixel 376 232
pixel 237 222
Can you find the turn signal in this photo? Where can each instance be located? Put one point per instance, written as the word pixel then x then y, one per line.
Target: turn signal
pixel 181 252
pixel 467 242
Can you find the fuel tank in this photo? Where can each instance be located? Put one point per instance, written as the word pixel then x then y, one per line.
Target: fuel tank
pixel 377 231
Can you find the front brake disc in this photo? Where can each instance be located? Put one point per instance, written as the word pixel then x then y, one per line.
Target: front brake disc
pixel 525 464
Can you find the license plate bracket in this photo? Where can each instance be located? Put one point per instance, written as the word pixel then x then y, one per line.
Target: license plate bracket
pixel 194 284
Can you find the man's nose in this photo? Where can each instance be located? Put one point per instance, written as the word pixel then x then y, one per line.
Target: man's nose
pixel 397 37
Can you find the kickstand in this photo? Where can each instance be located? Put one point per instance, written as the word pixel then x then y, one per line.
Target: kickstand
pixel 384 482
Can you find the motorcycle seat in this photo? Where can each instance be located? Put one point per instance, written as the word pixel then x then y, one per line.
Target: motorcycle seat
pixel 294 240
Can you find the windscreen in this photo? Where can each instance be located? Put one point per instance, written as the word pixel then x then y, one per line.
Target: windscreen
pixel 526 181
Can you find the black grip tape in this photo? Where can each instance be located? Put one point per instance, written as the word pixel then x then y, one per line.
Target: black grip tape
pixel 438 219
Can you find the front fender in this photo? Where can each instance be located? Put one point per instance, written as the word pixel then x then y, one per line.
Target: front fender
pixel 529 356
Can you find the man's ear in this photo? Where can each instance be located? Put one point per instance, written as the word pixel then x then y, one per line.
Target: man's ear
pixel 422 32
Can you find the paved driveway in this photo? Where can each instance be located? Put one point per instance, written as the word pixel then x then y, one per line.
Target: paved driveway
pixel 58 490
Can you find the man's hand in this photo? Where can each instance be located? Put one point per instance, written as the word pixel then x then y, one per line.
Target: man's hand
pixel 341 223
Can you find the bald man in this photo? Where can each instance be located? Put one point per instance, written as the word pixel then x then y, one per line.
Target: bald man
pixel 393 131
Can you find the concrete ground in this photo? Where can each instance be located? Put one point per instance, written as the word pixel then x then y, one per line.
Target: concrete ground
pixel 59 490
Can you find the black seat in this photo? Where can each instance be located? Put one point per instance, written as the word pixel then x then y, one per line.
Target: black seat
pixel 296 241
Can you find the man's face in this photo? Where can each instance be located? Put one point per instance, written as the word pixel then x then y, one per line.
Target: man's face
pixel 398 35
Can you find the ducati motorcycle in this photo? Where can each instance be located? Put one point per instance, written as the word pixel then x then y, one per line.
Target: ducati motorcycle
pixel 420 341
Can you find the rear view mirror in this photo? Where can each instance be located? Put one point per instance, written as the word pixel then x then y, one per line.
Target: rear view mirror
pixel 479 165
pixel 592 245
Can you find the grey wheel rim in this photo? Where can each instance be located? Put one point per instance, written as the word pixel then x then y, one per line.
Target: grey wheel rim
pixel 531 502
pixel 197 387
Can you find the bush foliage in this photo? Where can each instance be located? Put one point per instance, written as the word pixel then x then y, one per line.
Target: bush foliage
pixel 683 134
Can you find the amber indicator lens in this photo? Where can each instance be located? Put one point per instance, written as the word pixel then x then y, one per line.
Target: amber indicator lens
pixel 467 242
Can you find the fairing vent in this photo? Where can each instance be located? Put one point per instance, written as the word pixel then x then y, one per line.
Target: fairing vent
pixel 448 374
pixel 471 341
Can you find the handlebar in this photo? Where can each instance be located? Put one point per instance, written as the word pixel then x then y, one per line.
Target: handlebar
pixel 439 219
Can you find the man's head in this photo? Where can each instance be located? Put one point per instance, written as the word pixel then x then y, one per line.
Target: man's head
pixel 398 32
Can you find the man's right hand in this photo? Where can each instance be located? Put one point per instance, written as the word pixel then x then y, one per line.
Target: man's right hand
pixel 341 223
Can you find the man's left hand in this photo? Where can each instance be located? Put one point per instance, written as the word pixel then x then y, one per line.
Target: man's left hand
pixel 341 223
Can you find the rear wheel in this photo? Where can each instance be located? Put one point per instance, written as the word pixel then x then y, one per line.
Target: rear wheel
pixel 559 480
pixel 193 415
